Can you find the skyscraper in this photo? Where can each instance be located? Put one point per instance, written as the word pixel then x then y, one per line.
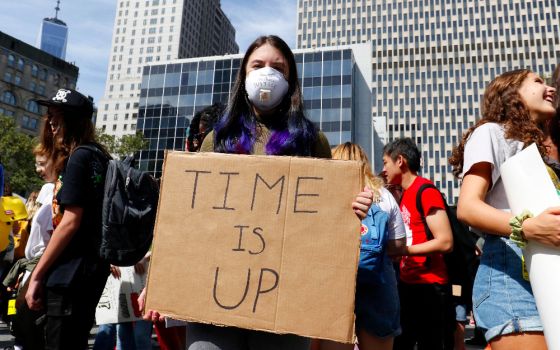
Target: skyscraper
pixel 53 35
pixel 149 31
pixel 432 59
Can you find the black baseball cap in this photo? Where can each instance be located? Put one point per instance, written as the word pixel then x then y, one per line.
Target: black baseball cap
pixel 70 100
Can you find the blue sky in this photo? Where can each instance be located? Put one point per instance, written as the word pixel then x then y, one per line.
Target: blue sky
pixel 90 26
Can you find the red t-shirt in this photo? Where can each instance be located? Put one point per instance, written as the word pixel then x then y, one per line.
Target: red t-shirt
pixel 413 269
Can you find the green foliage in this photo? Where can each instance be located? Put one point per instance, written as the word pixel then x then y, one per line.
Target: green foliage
pixel 124 146
pixel 108 141
pixel 130 144
pixel 16 155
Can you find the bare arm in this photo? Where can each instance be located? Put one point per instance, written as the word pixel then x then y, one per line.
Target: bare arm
pixel 471 209
pixel 61 237
pixel 441 230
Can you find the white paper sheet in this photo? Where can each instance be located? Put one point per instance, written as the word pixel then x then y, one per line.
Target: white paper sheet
pixel 528 186
pixel 118 303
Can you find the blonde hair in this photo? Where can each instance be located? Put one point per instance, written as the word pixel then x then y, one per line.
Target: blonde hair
pixel 352 151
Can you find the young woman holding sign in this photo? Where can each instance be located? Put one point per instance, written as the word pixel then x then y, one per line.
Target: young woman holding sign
pixel 515 107
pixel 264 116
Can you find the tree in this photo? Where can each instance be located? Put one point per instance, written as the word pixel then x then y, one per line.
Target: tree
pixel 130 144
pixel 124 146
pixel 108 141
pixel 16 155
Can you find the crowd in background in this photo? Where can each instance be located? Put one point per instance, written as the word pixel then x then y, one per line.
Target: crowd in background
pixel 53 274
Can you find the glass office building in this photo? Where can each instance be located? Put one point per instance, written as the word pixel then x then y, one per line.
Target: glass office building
pixel 332 81
pixel 53 37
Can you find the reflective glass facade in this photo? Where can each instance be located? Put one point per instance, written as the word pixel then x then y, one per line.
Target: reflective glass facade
pixel 172 93
pixel 53 37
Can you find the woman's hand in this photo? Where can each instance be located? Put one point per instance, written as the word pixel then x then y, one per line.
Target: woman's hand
pixel 116 272
pixel 362 203
pixel 544 228
pixel 34 295
pixel 150 315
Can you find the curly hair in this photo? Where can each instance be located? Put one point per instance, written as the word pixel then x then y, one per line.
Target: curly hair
pixel 503 105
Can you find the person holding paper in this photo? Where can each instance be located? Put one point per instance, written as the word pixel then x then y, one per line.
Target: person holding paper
pixel 264 116
pixel 515 107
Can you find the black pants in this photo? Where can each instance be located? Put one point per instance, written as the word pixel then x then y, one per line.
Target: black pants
pixel 28 327
pixel 427 317
pixel 71 311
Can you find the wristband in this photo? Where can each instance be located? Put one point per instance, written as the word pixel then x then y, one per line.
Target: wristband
pixel 516 224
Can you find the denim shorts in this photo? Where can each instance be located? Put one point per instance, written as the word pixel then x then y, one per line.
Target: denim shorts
pixel 377 305
pixel 503 302
pixel 461 313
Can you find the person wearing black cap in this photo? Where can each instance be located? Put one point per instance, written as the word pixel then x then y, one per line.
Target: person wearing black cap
pixel 69 278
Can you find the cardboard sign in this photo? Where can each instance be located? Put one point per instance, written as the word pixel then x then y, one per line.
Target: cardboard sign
pixel 119 301
pixel 258 242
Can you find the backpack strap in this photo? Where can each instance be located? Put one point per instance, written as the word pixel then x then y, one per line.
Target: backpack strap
pixel 95 149
pixel 420 209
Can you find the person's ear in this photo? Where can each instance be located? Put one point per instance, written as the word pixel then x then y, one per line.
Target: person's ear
pixel 400 161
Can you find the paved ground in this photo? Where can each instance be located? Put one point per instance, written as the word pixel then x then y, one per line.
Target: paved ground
pixel 6 339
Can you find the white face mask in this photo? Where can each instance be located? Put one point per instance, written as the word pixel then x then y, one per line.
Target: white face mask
pixel 266 87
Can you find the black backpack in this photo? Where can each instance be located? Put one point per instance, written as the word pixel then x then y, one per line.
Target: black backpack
pixel 462 263
pixel 129 211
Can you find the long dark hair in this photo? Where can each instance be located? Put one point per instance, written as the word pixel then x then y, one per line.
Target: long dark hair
pixel 74 131
pixel 503 105
pixel 291 132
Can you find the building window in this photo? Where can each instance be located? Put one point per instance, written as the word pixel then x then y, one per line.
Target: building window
pixel 32 106
pixel 43 74
pixel 8 77
pixel 41 90
pixel 34 70
pixel 11 60
pixel 9 98
pixel 20 64
pixel 114 128
pixel 6 112
pixel 29 123
pixel 17 79
pixel 32 86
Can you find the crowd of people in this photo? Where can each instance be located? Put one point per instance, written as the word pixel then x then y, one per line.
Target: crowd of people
pixel 408 302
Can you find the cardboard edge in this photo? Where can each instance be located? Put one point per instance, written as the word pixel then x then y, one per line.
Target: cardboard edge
pixel 148 278
pixel 276 331
pixel 186 319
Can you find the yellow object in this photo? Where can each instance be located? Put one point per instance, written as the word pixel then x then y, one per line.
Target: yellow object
pixel 20 239
pixel 11 307
pixel 524 268
pixel 12 209
pixel 5 230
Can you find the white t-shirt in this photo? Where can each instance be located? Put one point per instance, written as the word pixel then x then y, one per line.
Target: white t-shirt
pixel 488 144
pixel 41 224
pixel 389 205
